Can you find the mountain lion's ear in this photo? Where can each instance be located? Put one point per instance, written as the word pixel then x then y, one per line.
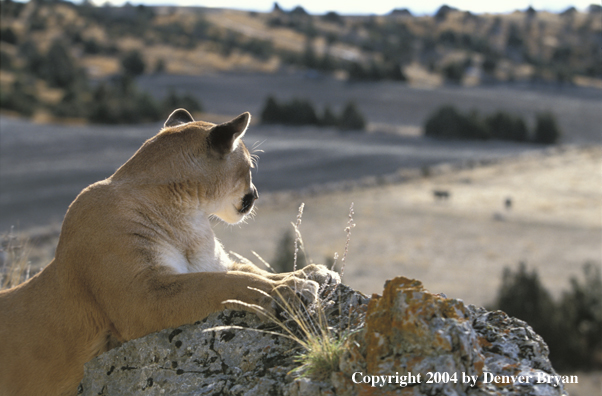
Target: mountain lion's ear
pixel 225 137
pixel 178 117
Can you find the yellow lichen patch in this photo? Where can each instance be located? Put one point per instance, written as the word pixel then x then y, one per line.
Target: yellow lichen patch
pixel 479 365
pixel 483 342
pixel 441 342
pixel 379 319
pixel 391 320
pixel 512 369
pixel 408 324
pixel 413 361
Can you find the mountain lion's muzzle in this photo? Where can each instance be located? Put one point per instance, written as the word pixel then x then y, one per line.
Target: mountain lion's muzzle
pixel 248 200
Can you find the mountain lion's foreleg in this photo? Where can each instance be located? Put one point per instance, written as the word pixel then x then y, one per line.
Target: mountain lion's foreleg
pixel 315 272
pixel 170 300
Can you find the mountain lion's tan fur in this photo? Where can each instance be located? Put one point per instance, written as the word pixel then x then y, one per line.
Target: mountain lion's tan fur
pixel 136 255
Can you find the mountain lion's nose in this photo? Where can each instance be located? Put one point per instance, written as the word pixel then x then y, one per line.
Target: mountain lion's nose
pixel 248 199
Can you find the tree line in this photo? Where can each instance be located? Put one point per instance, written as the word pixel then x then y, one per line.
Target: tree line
pixel 302 112
pixel 115 100
pixel 570 326
pixel 448 122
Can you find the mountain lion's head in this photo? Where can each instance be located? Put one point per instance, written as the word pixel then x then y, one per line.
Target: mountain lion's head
pixel 203 166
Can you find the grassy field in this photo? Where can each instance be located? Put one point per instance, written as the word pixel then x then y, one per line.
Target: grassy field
pixel 457 246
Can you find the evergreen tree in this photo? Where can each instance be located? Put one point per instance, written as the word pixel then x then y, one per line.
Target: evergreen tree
pixel 133 63
pixel 504 126
pixel 454 72
pixel 570 328
pixel 351 118
pixel 329 119
pixel 272 112
pixel 310 59
pixel 523 295
pixel 284 257
pixel 58 67
pixel 301 112
pixel 546 129
pixel 448 123
pixel 581 324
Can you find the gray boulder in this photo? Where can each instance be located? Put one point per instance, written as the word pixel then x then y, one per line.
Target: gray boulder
pixel 407 341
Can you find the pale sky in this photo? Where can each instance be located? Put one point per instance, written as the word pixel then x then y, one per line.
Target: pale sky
pixel 376 6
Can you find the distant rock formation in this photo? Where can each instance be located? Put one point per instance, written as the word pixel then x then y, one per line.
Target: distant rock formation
pixel 408 342
pixel 400 12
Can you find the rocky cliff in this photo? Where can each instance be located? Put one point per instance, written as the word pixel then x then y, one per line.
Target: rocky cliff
pixel 405 342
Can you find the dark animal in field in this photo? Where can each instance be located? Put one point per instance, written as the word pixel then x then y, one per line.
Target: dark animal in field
pixel 441 195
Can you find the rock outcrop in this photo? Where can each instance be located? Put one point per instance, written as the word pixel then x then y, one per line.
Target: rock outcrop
pixel 407 342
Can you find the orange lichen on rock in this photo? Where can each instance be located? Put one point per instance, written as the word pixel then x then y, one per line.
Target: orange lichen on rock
pixel 484 343
pixel 410 330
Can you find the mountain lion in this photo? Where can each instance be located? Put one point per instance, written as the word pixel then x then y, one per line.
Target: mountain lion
pixel 137 254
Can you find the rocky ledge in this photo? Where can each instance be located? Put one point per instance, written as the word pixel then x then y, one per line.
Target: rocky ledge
pixel 407 342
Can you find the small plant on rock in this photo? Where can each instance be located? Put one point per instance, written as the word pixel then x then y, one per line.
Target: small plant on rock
pixel 322 346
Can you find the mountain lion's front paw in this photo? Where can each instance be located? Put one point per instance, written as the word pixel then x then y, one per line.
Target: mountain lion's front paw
pixel 294 291
pixel 321 274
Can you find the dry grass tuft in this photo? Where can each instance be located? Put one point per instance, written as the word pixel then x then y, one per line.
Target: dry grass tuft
pixel 298 238
pixel 322 345
pixel 350 225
